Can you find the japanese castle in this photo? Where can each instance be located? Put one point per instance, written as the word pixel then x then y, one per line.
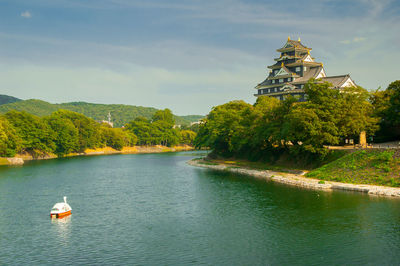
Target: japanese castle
pixel 293 69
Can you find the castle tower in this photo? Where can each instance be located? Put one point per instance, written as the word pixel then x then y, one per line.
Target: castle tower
pixel 293 69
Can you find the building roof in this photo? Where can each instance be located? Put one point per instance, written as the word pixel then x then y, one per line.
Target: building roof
pixel 291 45
pixel 337 81
pixel 311 73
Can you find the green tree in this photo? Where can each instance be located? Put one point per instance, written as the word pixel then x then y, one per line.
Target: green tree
pixel 37 137
pixel 143 129
pixel 386 104
pixel 10 142
pixel 67 135
pixel 116 138
pixel 89 134
pixel 393 110
pixel 226 128
pixel 187 137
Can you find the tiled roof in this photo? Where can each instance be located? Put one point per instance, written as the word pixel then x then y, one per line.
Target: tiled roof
pixel 337 81
pixel 311 73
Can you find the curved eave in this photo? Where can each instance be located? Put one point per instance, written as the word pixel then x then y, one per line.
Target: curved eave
pixel 299 63
pixel 281 93
pixel 291 75
pixel 290 49
pixel 259 86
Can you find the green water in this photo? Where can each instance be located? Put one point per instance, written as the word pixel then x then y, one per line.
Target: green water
pixel 155 209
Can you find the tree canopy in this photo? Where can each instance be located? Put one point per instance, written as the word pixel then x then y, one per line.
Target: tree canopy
pixel 326 118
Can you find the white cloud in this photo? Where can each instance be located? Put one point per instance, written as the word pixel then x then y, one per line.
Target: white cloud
pixel 26 14
pixel 354 40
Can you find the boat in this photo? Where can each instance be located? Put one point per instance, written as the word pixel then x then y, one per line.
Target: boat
pixel 61 209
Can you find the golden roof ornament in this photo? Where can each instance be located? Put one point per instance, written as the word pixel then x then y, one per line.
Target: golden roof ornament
pixel 308 51
pixel 282 64
pixel 299 40
pixel 288 38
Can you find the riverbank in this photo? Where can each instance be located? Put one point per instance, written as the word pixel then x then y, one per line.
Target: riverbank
pixel 298 180
pixel 21 158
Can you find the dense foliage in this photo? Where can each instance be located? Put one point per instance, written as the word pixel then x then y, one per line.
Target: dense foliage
pixel 387 107
pixel 270 126
pixel 121 114
pixel 159 130
pixel 64 132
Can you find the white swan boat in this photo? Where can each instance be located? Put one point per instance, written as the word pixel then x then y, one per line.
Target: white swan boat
pixel 61 209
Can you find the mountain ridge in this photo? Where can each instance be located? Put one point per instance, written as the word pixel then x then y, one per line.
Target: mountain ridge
pixel 120 113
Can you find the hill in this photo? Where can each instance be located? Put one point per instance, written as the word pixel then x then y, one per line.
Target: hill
pixel 120 113
pixel 4 99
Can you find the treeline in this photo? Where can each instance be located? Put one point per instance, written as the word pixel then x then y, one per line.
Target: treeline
pixel 121 114
pixel 160 130
pixel 270 126
pixel 65 132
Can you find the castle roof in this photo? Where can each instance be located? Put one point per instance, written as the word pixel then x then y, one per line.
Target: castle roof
pixel 313 72
pixel 293 45
pixel 339 81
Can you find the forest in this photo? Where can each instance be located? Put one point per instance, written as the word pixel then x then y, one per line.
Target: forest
pixel 270 127
pixel 64 132
pixel 121 113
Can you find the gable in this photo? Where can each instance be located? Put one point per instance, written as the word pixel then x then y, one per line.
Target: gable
pixel 287 45
pixel 348 83
pixel 282 72
pixel 321 74
pixel 308 59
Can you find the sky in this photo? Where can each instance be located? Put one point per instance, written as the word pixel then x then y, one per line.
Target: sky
pixel 187 55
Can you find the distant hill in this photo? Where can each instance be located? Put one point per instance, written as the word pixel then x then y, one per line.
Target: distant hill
pixel 120 113
pixel 4 99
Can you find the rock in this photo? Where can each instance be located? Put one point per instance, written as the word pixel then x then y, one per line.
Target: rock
pixel 15 161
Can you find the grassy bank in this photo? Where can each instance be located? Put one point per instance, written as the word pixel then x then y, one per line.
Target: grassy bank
pixel 278 161
pixel 371 166
pixel 377 167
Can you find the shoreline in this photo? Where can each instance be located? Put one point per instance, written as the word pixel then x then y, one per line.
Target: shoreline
pixel 20 159
pixel 301 181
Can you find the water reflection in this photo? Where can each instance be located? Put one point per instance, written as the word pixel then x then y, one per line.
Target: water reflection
pixel 62 227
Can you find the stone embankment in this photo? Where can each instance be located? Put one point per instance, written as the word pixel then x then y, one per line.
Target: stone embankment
pixel 301 181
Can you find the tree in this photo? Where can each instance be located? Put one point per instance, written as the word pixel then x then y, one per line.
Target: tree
pixel 67 135
pixel 187 137
pixel 37 137
pixel 386 106
pixel 393 110
pixel 355 113
pixel 116 138
pixel 142 128
pixel 10 142
pixel 226 128
pixel 88 129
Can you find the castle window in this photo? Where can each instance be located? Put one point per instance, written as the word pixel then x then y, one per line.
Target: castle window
pixel 280 80
pixel 298 69
pixel 289 79
pixel 304 68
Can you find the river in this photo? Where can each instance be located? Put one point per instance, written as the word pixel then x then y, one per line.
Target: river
pixel 154 209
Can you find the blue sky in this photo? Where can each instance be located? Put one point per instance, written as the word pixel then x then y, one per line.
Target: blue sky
pixel 185 55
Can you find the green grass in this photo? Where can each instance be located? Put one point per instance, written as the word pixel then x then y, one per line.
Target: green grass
pixel 377 167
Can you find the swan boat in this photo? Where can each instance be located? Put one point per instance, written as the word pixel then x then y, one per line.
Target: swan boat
pixel 61 209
